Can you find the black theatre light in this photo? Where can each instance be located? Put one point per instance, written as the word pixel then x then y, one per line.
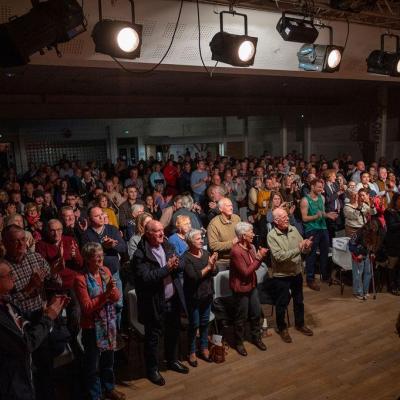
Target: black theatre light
pixel 44 26
pixel 119 39
pixel 299 30
pixel 237 50
pixel 318 57
pixel 383 62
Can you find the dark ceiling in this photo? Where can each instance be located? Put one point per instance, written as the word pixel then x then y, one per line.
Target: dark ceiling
pixel 78 92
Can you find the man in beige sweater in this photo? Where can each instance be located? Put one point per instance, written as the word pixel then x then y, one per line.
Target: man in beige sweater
pixel 221 231
pixel 287 246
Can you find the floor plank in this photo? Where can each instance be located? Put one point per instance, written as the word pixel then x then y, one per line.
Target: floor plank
pixel 354 354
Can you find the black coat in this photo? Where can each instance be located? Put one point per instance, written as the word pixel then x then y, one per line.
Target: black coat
pixel 392 239
pixel 149 283
pixel 15 355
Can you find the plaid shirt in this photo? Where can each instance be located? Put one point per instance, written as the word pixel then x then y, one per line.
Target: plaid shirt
pixel 23 271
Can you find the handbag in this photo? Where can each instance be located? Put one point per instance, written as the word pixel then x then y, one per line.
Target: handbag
pixel 218 351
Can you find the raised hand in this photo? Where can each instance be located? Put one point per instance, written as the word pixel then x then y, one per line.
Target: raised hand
pixel 262 252
pixel 173 262
pixel 54 307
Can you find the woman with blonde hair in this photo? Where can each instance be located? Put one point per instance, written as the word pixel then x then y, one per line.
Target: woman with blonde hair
pixel 177 240
pixel 104 203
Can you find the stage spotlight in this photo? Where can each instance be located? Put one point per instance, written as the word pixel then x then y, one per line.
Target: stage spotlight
pixel 236 50
pixel 318 57
pixel 44 26
pixel 119 39
pixel 299 30
pixel 383 62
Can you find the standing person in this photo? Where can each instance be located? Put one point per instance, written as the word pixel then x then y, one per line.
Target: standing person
pixel 286 246
pixel 177 240
pixel 198 182
pixel 332 202
pixel 313 214
pixel 221 231
pixel 198 289
pixel 125 209
pixel 245 260
pixel 160 299
pixel 97 293
pixel 19 338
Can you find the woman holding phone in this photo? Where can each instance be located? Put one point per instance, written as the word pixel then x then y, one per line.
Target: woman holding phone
pixel 97 295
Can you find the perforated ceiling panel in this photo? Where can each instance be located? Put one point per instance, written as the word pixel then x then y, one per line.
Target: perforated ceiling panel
pixel 5 13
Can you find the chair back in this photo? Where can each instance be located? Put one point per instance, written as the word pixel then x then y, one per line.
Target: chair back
pixel 341 254
pixel 133 312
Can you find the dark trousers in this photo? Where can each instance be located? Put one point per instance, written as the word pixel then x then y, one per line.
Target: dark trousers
pixel 169 324
pixel 321 242
pixel 98 366
pixel 284 288
pixel 247 306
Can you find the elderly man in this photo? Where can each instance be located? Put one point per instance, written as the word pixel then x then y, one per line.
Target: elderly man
pixel 160 299
pixel 221 231
pixel 287 246
pixel 32 275
pixel 19 338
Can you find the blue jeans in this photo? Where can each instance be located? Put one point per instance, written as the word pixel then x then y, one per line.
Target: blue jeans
pixel 98 366
pixel 120 303
pixel 361 276
pixel 321 242
pixel 199 317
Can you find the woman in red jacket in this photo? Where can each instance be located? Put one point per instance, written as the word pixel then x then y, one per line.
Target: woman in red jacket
pixel 245 260
pixel 97 295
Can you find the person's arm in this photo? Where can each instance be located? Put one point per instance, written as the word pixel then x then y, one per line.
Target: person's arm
pixel 121 245
pixel 123 215
pixel 278 253
pixel 34 334
pixel 191 273
pixel 88 305
pixel 239 264
pixel 195 184
pixel 143 272
pixel 304 212
pixel 166 216
pixel 253 196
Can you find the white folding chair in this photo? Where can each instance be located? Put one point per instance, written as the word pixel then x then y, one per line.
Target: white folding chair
pixel 341 256
pixel 133 312
pixel 221 285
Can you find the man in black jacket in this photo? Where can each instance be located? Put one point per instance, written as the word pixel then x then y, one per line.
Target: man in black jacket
pixel 160 299
pixel 19 338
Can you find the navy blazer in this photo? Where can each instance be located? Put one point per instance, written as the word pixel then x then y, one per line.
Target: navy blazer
pixel 149 283
pixel 15 355
pixel 331 196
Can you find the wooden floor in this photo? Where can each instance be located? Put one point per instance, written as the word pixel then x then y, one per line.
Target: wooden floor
pixel 354 355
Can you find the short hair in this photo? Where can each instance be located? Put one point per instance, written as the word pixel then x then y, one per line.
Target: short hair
pixel 187 202
pixel 241 228
pixel 54 221
pixel 66 208
pixel 180 219
pixel 222 201
pixel 9 229
pixel 140 222
pixel 131 187
pixel 177 198
pixel 10 219
pixel 89 249
pixel 315 181
pixel 137 207
pixel 191 234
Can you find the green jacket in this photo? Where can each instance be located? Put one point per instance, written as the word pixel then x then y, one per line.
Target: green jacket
pixel 285 251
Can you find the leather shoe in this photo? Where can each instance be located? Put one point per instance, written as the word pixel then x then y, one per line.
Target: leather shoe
pixel 115 395
pixel 284 334
pixel 241 349
pixel 192 363
pixel 313 286
pixel 260 344
pixel 205 358
pixel 156 378
pixel 305 330
pixel 178 367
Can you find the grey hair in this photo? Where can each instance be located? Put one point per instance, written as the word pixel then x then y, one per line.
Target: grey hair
pixel 191 234
pixel 223 201
pixel 241 228
pixel 187 202
pixel 137 207
pixel 89 249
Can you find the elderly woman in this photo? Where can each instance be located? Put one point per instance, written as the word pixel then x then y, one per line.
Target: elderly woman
pixel 177 240
pixel 245 260
pixel 198 289
pixel 97 295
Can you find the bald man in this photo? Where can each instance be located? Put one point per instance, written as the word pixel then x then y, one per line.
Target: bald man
pixel 160 299
pixel 287 246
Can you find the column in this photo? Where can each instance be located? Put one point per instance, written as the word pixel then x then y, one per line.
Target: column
pixel 284 136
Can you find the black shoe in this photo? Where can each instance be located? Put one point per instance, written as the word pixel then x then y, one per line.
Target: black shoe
pixel 205 358
pixel 260 344
pixel 178 367
pixel 241 349
pixel 156 378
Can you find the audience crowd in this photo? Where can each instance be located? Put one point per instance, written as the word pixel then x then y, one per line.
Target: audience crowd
pixel 75 239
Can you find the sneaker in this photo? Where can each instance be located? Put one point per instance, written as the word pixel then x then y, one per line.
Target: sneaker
pixel 359 297
pixel 366 295
pixel 284 334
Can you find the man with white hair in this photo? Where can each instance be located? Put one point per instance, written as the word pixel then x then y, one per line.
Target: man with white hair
pixel 221 230
pixel 287 246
